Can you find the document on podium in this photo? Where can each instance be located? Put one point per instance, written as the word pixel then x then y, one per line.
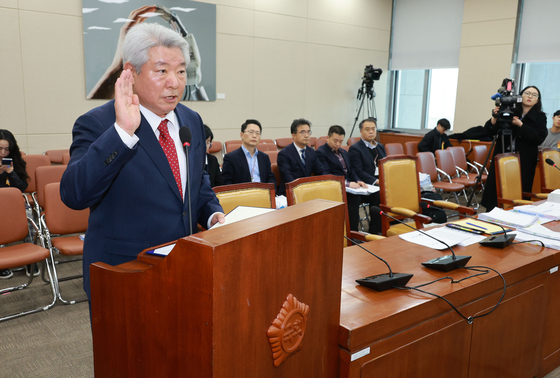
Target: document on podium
pixel 241 213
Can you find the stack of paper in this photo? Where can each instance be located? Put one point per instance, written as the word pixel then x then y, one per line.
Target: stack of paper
pixel 539 230
pixel 549 210
pixel 363 191
pixel 509 218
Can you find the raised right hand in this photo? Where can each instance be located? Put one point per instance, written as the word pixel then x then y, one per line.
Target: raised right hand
pixel 127 106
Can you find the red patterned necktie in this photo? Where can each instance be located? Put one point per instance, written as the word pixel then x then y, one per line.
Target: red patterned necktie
pixel 168 146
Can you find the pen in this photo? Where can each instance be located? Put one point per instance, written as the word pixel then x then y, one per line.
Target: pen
pixel 475 225
pixel 466 229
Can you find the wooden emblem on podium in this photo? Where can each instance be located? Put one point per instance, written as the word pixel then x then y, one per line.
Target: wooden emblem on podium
pixel 286 333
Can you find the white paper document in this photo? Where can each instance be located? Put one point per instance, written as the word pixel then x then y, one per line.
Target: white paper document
pixel 509 218
pixel 445 234
pixel 549 243
pixel 363 191
pixel 243 212
pixel 549 210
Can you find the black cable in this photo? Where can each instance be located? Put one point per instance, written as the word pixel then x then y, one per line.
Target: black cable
pixel 469 319
pixel 528 241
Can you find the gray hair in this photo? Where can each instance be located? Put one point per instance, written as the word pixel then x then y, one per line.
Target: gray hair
pixel 142 37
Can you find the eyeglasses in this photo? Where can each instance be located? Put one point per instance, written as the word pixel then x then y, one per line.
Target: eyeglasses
pixel 208 144
pixel 305 132
pixel 531 94
pixel 251 132
pixel 370 129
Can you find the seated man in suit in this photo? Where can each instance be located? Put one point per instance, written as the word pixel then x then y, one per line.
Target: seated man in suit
pixel 336 161
pixel 364 156
pixel 212 166
pixel 298 159
pixel 247 164
pixel 436 139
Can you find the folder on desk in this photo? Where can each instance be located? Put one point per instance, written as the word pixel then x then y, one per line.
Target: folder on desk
pixel 483 226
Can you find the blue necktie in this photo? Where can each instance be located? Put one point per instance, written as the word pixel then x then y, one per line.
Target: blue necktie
pixel 303 157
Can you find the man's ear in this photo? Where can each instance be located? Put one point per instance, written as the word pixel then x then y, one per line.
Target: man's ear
pixel 129 66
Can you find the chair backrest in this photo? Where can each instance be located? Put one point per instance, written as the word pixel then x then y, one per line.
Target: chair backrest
pixel 216 147
pixel 13 218
pixel 267 141
pixel 312 142
pixel 353 140
pixel 329 187
pixel 283 142
pixel 266 146
pixel 411 148
pixel 59 218
pixel 33 162
pixel 394 149
pixel 276 171
pixel 254 194
pixel 320 142
pixel 398 182
pixel 459 157
pixel 65 158
pixel 273 155
pixel 508 176
pixel 550 176
pixel 445 162
pixel 56 155
pixel 44 176
pixel 427 164
pixel 232 145
pixel 479 154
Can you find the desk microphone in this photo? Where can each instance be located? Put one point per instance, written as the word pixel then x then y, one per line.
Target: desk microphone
pixel 495 241
pixel 186 137
pixel 551 162
pixel 444 263
pixel 382 282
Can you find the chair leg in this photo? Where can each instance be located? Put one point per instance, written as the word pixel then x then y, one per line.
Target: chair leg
pixel 21 287
pixel 57 283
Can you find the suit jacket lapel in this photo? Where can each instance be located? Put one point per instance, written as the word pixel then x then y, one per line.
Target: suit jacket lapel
pixel 297 155
pixel 149 142
pixel 244 165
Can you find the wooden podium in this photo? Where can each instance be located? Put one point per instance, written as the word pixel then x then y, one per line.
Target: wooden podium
pixel 207 309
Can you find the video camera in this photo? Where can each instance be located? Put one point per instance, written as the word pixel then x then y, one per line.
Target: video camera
pixel 370 75
pixel 507 101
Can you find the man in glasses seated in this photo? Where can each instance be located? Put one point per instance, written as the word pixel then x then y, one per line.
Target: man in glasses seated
pixel 298 159
pixel 247 164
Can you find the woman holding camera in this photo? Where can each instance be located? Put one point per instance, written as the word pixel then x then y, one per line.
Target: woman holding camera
pixel 528 132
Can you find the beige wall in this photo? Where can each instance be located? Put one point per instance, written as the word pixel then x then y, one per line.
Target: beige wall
pixel 276 60
pixel 487 42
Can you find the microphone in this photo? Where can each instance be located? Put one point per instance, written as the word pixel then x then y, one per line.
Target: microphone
pixel 495 241
pixel 186 137
pixel 551 162
pixel 382 282
pixel 445 263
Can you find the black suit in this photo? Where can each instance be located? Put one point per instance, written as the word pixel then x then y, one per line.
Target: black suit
pixel 332 165
pixel 291 167
pixel 364 161
pixel 433 141
pixel 213 170
pixel 236 170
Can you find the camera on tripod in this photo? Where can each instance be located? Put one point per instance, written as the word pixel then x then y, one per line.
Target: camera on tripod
pixel 507 101
pixel 370 75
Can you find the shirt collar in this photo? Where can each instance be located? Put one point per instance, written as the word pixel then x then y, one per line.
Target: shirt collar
pixel 370 145
pixel 247 153
pixel 297 148
pixel 154 120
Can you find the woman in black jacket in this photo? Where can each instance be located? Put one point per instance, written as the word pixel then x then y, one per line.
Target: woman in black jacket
pixel 13 174
pixel 528 132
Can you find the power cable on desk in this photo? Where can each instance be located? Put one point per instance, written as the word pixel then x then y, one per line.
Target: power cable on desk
pixel 469 319
pixel 529 241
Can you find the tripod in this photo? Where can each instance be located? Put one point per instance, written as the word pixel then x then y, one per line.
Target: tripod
pixel 503 131
pixel 364 92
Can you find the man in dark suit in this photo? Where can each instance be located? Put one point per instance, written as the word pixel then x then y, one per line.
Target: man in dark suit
pixel 298 159
pixel 127 162
pixel 247 164
pixel 436 139
pixel 212 165
pixel 364 156
pixel 336 161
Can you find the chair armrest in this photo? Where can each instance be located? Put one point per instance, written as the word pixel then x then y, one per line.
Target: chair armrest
pixel 358 235
pixel 462 171
pixel 411 214
pixel 372 237
pixel 452 206
pixel 522 202
pixel 535 195
pixel 444 174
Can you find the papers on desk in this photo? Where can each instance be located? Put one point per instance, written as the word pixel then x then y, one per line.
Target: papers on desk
pixel 547 210
pixel 241 213
pixel 541 231
pixel 162 251
pixel 363 191
pixel 509 218
pixel 549 243
pixel 445 234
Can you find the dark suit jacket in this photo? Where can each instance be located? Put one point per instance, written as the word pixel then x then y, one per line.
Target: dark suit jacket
pixel 333 166
pixel 363 162
pixel 133 198
pixel 236 170
pixel 213 170
pixel 432 141
pixel 291 167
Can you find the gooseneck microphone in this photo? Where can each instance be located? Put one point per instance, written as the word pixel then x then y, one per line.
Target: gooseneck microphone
pixel 444 263
pixel 551 162
pixel 495 241
pixel 382 282
pixel 186 137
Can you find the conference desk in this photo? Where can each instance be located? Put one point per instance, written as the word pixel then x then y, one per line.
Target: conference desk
pixel 399 333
